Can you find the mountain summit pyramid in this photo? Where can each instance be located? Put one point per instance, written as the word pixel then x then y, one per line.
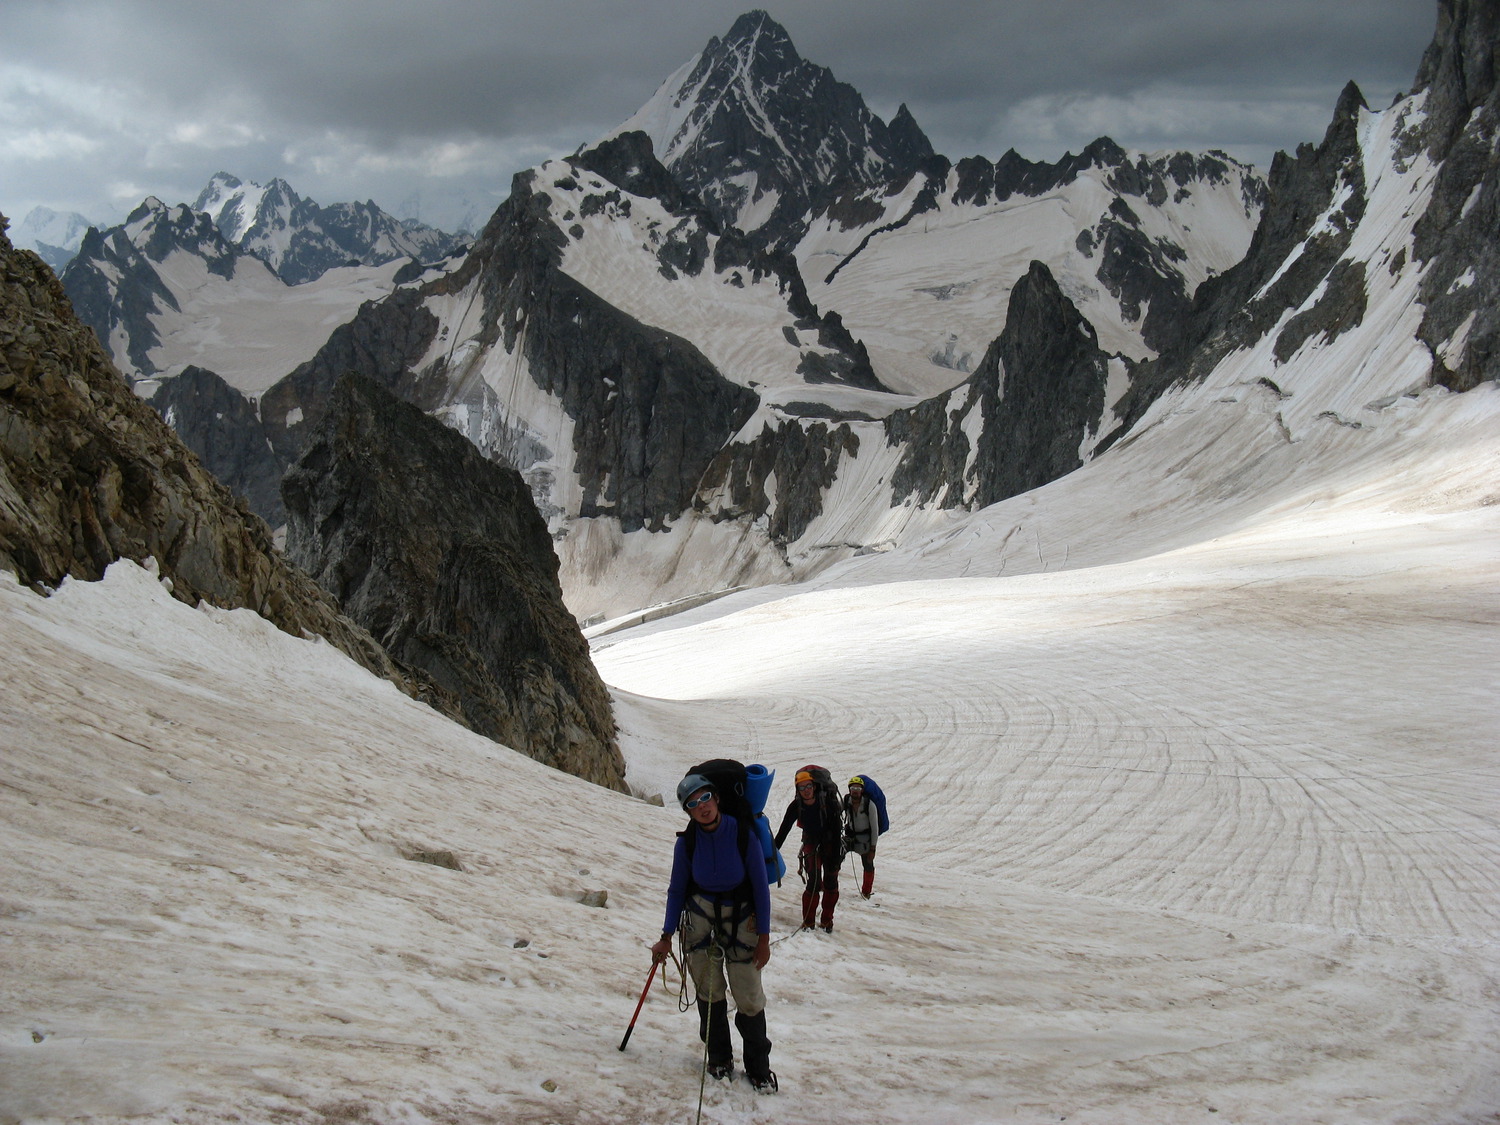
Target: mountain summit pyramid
pixel 761 134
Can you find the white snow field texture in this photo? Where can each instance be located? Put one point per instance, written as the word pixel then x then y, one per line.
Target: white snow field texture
pixel 1201 829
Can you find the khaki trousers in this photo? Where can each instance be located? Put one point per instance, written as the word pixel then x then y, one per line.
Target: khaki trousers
pixel 709 967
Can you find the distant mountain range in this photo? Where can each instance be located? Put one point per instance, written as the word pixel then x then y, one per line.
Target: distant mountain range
pixel 171 285
pixel 301 241
pixel 55 235
pixel 756 329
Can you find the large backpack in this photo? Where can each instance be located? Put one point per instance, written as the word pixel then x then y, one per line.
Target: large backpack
pixel 731 781
pixel 877 796
pixel 829 797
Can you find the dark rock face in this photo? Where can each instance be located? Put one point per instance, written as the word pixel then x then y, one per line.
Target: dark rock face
pixel 90 474
pixel 459 582
pixel 383 342
pixel 803 458
pixel 1456 236
pixel 628 162
pixel 1243 304
pixel 1040 393
pixel 221 426
pixel 1048 377
pixel 650 410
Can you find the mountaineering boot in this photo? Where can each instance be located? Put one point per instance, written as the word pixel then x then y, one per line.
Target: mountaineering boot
pixel 809 909
pixel 830 899
pixel 868 884
pixel 720 1048
pixel 757 1048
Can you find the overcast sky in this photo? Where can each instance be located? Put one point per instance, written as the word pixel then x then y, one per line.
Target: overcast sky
pixel 103 102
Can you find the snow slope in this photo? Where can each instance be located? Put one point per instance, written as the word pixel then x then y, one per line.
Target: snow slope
pixel 253 329
pixel 1208 828
pixel 927 297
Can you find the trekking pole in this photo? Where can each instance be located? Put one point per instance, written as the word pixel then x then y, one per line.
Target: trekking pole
pixel 649 976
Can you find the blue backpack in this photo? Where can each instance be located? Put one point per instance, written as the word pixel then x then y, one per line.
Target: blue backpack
pixel 877 795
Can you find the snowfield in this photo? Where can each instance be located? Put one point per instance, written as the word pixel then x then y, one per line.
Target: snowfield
pixel 1191 755
pixel 1204 832
pixel 222 323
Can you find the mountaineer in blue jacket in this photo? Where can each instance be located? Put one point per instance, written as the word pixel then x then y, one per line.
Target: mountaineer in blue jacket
pixel 719 898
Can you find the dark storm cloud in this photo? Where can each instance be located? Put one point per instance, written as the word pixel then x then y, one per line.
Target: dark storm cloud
pixel 376 97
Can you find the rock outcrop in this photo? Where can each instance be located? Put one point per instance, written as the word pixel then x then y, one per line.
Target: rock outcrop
pixel 1315 203
pixel 460 582
pixel 90 474
pixel 1039 393
pixel 1456 236
pixel 222 427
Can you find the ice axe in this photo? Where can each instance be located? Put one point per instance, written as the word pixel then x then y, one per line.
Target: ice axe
pixel 649 977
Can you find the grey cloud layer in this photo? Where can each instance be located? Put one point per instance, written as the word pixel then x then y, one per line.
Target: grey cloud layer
pixel 332 94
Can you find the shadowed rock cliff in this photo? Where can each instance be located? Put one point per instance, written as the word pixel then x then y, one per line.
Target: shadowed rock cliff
pixel 1039 391
pixel 460 582
pixel 221 426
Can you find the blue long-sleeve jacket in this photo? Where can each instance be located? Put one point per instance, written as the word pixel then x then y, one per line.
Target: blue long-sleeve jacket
pixel 719 869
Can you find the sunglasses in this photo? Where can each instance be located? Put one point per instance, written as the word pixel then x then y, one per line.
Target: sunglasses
pixel 808 788
pixel 696 801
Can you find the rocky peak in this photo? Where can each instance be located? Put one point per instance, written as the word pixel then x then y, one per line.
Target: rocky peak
pixel 762 135
pixel 1039 396
pixel 756 40
pixel 908 140
pixel 1455 238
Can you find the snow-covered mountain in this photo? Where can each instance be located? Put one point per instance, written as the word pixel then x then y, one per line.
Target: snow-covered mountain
pixel 301 240
pixel 166 290
pixel 55 235
pixel 761 135
pixel 697 408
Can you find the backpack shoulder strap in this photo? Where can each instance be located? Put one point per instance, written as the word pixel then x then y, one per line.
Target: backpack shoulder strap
pixel 689 838
pixel 742 839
